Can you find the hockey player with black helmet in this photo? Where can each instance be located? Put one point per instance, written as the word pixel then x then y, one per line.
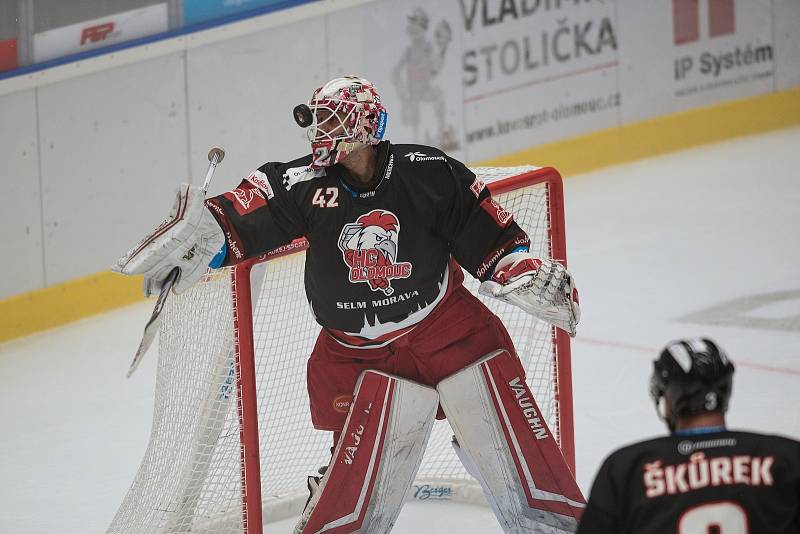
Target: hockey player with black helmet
pixel 702 478
pixel 691 384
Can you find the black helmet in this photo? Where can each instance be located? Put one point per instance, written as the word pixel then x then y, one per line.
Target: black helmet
pixel 694 376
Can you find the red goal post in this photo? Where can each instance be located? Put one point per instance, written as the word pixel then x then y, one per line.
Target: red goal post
pixel 221 466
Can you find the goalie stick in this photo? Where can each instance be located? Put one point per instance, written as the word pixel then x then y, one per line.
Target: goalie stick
pixel 215 156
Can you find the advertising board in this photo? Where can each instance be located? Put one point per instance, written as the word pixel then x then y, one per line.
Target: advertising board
pixel 100 32
pixel 195 11
pixel 683 54
pixel 480 78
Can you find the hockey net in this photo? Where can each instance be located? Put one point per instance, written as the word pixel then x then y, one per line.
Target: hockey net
pixel 231 391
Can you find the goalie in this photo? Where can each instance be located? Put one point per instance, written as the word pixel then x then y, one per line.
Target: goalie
pixel 402 341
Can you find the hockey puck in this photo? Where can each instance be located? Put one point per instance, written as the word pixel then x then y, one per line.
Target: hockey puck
pixel 302 116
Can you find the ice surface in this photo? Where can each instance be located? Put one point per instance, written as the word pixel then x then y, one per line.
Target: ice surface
pixel 701 242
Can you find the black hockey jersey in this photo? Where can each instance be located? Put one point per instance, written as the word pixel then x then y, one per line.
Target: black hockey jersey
pixel 378 257
pixel 717 483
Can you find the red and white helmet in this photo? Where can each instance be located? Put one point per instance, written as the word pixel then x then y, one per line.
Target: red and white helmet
pixel 343 115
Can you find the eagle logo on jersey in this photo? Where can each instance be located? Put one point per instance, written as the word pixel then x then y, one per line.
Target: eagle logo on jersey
pixel 369 249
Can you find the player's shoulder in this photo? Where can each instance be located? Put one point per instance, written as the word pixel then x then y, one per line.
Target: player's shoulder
pixel 289 174
pixel 776 442
pixel 676 445
pixel 423 162
pixel 650 446
pixel 279 167
pixel 621 460
pixel 623 463
pixel 417 155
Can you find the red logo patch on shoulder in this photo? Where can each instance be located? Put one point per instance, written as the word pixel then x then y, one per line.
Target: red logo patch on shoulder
pixel 500 215
pixel 246 198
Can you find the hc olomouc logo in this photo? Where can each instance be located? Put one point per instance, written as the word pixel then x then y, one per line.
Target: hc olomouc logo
pixel 369 249
pixel 419 156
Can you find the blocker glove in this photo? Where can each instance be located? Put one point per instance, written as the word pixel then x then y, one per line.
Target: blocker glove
pixel 543 288
pixel 188 239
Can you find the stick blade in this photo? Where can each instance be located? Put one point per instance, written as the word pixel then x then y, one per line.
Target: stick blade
pixel 147 339
pixel 153 325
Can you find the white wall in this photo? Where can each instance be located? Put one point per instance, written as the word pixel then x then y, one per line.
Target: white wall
pixel 241 95
pixel 112 150
pixel 21 217
pixel 94 149
pixel 786 17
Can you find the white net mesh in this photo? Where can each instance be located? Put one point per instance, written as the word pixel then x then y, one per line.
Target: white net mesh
pixel 190 478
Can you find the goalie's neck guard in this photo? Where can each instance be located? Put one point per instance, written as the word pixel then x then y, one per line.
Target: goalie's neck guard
pixel 382 174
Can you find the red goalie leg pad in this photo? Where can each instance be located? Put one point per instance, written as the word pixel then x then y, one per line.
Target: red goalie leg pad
pixel 499 426
pixel 376 457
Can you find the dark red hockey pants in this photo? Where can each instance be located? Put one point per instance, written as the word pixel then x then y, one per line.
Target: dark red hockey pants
pixel 458 332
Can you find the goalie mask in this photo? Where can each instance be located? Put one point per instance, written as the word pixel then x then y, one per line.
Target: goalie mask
pixel 691 377
pixel 343 115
